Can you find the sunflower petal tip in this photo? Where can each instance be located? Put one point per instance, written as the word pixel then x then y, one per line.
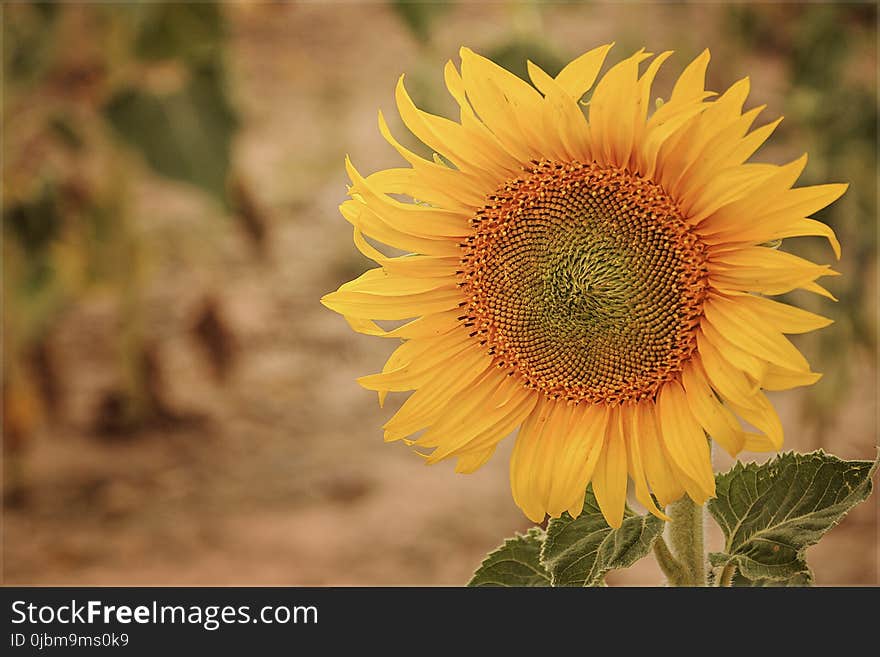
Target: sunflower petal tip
pixel 535 516
pixel 614 523
pixel 659 514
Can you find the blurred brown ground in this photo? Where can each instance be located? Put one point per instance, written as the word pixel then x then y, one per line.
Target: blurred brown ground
pixel 280 476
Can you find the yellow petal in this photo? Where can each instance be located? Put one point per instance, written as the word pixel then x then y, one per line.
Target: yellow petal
pixel 470 462
pixel 580 432
pixel 685 440
pixel 742 360
pixel 427 326
pixel 745 330
pixel 803 228
pixel 479 412
pixel 739 211
pixel 719 423
pixel 634 458
pixel 609 478
pixel 691 82
pixel 578 76
pixel 706 152
pixel 563 123
pixel 782 317
pixel 612 120
pixel 781 216
pixel 725 152
pixel 412 183
pixel 726 187
pixel 467 189
pixel 777 378
pixel 409 218
pixel 389 305
pixel 361 216
pixel 412 266
pixel 554 457
pixel 764 270
pixel 752 142
pixel 586 443
pixel 425 405
pixel 662 133
pixel 641 126
pixel 519 410
pixel 660 475
pixel 527 460
pixel 450 139
pixel 416 361
pixel 378 281
pixel 503 102
pixel 553 466
pixel 729 381
pixel 447 342
pixel 488 142
pixel 759 443
pixel 761 415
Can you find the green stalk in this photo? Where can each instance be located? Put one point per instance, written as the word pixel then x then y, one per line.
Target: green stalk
pixel 686 543
pixel 668 564
pixel 726 578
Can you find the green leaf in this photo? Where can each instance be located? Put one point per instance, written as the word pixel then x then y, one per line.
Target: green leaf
pixel 185 135
pixel 771 513
pixel 579 551
pixel 800 579
pixel 516 563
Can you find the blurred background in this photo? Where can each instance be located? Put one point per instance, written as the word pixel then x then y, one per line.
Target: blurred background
pixel 180 409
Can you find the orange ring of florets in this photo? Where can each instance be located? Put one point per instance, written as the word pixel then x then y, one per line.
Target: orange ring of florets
pixel 585 281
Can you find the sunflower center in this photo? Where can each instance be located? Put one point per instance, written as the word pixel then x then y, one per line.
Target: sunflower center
pixel 586 281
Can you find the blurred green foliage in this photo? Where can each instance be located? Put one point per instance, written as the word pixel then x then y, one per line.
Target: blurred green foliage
pixel 513 54
pixel 184 125
pixel 194 32
pixel 90 90
pixel 185 135
pixel 420 15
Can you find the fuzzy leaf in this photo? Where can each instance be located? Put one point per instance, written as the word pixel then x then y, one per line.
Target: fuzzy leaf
pixel 580 551
pixel 771 513
pixel 516 563
pixel 804 578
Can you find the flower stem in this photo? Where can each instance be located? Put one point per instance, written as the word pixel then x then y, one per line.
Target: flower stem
pixel 668 564
pixel 726 578
pixel 686 542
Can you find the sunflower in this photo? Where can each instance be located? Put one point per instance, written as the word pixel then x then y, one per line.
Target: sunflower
pixel 596 279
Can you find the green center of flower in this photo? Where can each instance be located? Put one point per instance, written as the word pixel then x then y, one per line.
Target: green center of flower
pixel 586 281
